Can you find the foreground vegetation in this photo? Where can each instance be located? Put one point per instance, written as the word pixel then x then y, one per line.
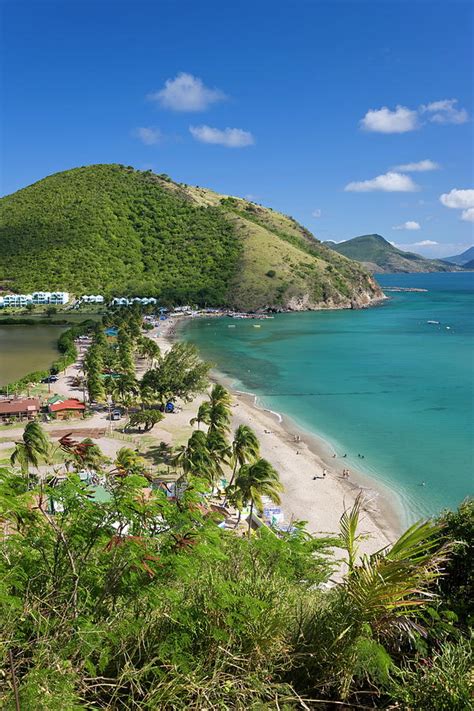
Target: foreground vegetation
pixel 116 231
pixel 144 602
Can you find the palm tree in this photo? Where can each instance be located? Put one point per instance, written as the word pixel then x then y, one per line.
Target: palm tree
pixel 252 483
pixel 219 409
pixel 203 413
pixel 220 451
pixel 128 462
pixel 33 447
pixel 195 458
pixel 245 449
pixel 388 587
pixel 125 391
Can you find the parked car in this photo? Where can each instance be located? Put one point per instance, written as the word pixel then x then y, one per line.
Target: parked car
pixel 115 415
pixel 50 379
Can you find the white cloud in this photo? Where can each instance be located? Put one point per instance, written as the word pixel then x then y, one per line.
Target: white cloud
pixel 148 135
pixel 316 213
pixel 409 225
pixel 419 167
pixel 386 121
pixel 460 199
pixel 445 111
pixel 468 215
pixel 186 93
pixel 389 182
pixel 230 137
pixel 403 119
pixel 427 243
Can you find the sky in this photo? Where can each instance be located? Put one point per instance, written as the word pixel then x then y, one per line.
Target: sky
pixel 353 117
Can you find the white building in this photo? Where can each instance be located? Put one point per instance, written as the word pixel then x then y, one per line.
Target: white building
pixel 37 298
pixel 92 299
pixel 50 297
pixel 123 301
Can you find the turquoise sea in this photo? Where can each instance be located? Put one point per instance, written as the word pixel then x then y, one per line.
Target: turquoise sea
pixel 382 382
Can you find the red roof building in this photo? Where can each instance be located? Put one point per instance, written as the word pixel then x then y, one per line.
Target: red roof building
pixel 67 408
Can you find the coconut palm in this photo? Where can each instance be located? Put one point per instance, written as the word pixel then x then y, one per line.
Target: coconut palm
pixel 202 414
pixel 245 449
pixel 129 462
pixel 219 409
pixel 220 451
pixel 252 483
pixel 195 458
pixel 33 448
pixel 147 396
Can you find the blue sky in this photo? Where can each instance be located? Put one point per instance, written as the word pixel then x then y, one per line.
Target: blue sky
pixel 354 117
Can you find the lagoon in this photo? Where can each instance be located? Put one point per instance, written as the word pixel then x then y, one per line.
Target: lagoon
pixel 24 349
pixel 381 382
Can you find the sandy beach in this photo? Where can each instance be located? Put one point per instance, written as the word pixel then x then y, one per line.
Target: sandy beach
pixel 308 496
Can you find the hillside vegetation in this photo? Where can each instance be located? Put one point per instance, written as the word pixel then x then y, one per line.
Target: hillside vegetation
pixel 114 230
pixel 378 255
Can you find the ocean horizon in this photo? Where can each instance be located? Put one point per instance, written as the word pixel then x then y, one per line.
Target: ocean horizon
pixel 392 387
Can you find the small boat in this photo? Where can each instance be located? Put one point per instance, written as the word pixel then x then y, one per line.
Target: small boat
pixel 257 325
pixel 435 322
pixel 231 325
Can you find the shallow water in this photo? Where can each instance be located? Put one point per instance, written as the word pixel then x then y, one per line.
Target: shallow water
pixel 24 349
pixel 381 382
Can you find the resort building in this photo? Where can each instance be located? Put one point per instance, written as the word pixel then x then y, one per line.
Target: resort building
pixel 67 409
pixel 50 297
pixel 124 301
pixel 38 298
pixel 22 408
pixel 92 299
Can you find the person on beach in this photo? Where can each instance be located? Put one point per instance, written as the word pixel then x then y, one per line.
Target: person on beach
pixel 325 471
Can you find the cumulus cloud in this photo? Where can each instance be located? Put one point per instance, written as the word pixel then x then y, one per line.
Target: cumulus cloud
pixel 148 135
pixel 409 225
pixel 384 120
pixel 419 167
pixel 445 111
pixel 316 213
pixel 390 182
pixel 229 137
pixel 186 93
pixel 459 199
pixel 403 119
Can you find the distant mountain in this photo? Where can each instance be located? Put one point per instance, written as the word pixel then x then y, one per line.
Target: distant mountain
pixel 113 230
pixel 469 265
pixel 378 255
pixel 462 258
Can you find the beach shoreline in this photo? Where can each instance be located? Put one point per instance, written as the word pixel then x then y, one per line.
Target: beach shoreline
pixel 300 457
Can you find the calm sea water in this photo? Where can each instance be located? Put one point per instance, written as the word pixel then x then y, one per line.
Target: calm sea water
pixel 381 382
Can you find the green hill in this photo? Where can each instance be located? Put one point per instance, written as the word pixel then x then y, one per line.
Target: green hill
pixel 378 255
pixel 114 230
